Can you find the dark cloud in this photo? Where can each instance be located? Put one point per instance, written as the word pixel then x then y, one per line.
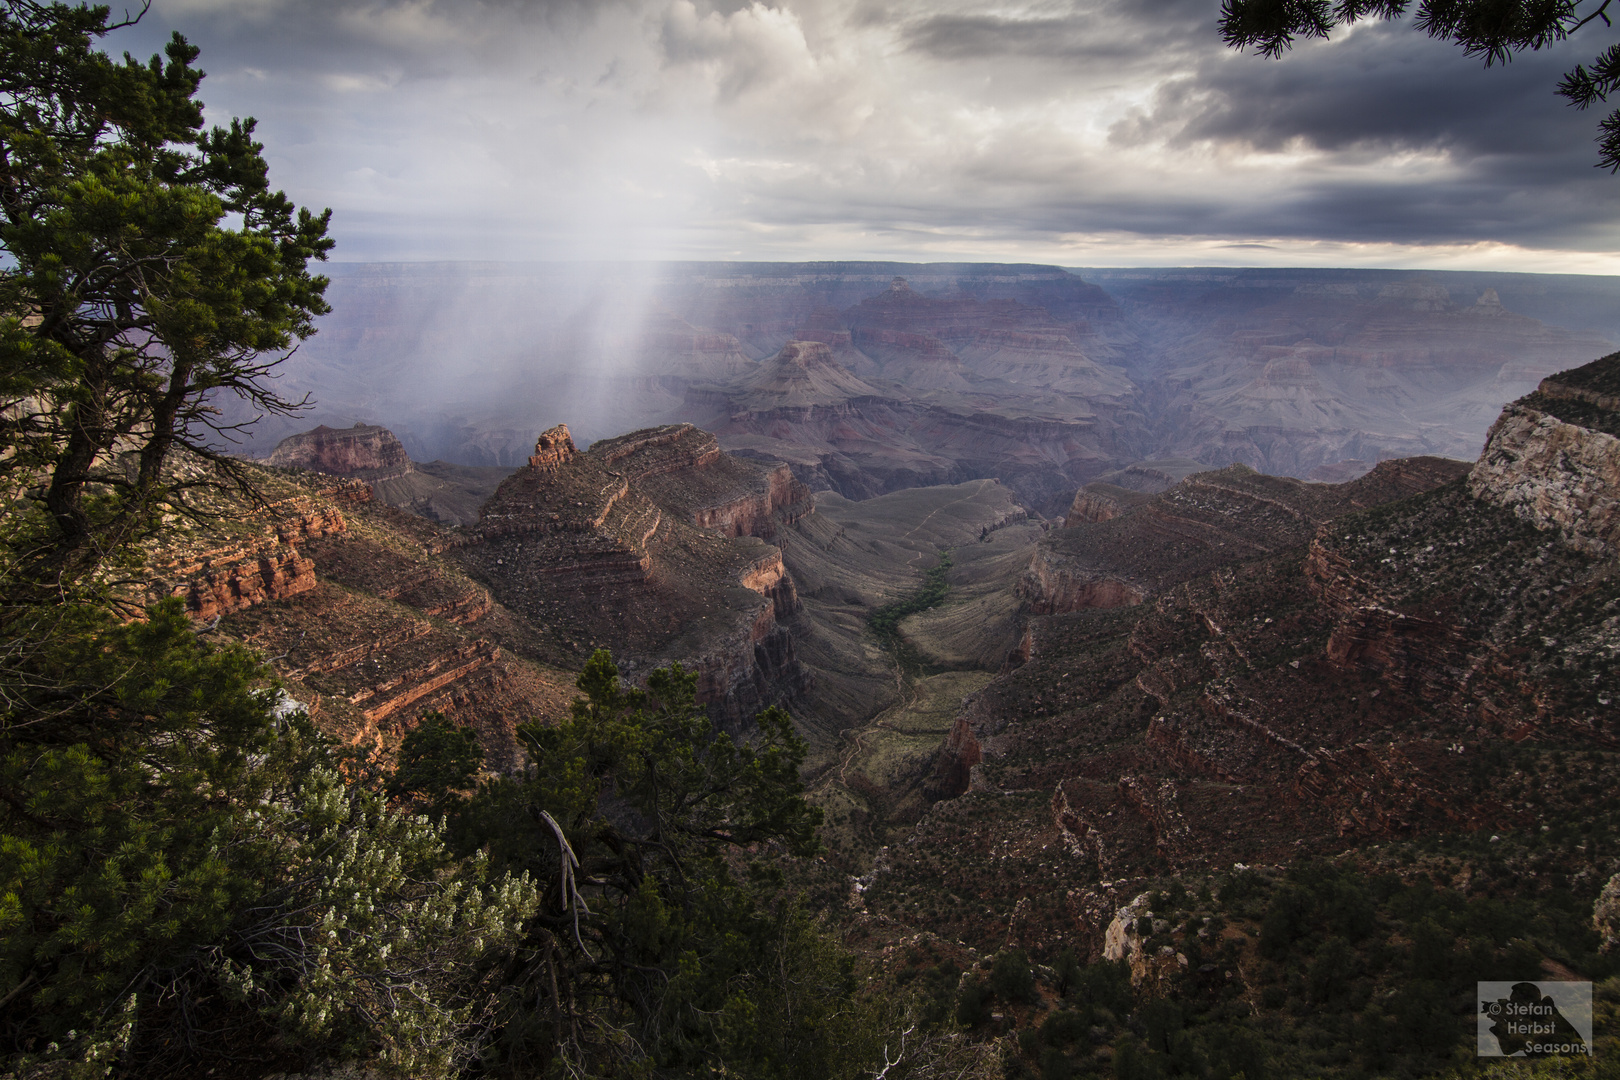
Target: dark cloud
pixel 1384 89
pixel 958 37
pixel 560 128
pixel 1111 32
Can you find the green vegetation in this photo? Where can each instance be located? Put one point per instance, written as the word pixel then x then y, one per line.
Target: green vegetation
pixel 182 872
pixel 1320 970
pixel 150 269
pixel 193 880
pixel 1576 411
pixel 665 938
pixel 185 879
pixel 885 621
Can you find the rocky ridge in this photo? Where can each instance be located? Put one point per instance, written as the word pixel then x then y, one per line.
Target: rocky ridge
pixel 1388 659
pixel 1553 471
pixel 1120 547
pixel 366 451
pixel 362 617
pixel 651 544
pixel 437 490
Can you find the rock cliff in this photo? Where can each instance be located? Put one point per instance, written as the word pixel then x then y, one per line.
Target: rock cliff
pixel 363 619
pixel 365 451
pixel 650 544
pixel 1550 460
pixel 1557 483
pixel 1120 546
pixel 437 490
pixel 252 557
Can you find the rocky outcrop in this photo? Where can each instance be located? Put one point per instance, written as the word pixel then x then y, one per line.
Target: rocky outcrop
pixel 952 771
pixel 235 581
pixel 1153 971
pixel 1606 915
pixel 649 544
pixel 803 374
pixel 1555 474
pixel 1101 502
pixel 759 513
pixel 683 470
pixel 1561 477
pixel 364 623
pixel 1424 655
pixel 437 490
pixel 263 565
pixel 365 451
pixel 553 449
pixel 1120 546
pixel 1052 586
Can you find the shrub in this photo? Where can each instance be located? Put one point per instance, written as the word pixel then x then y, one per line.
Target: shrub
pixel 1012 980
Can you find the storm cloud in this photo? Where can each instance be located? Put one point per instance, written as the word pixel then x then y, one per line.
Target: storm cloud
pixel 1074 132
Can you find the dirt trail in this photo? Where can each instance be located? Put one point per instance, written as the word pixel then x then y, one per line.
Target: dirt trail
pixel 974 495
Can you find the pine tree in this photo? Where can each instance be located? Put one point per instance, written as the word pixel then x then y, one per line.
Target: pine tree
pixel 149 269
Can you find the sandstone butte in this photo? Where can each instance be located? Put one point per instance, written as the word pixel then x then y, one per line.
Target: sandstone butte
pixel 364 450
pixel 653 544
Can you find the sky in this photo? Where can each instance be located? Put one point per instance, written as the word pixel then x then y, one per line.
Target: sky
pixel 1074 132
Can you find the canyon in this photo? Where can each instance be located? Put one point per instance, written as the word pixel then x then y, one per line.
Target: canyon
pixel 1042 377
pixel 1045 719
pixel 1245 670
pixel 1234 570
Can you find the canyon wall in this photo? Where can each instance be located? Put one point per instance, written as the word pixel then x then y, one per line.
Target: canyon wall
pixel 1549 460
pixel 364 450
pixel 359 615
pixel 1120 547
pixel 257 558
pixel 651 544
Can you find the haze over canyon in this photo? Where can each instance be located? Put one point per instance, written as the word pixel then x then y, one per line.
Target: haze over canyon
pixel 873 377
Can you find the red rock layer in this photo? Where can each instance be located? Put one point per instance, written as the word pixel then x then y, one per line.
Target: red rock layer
pixel 554 448
pixel 218 580
pixel 364 451
pixel 647 544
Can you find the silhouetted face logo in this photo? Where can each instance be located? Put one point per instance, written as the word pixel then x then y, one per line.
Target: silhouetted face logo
pixel 1526 1022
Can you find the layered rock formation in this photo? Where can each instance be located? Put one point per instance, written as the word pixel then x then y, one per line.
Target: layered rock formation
pixel 1542 463
pixel 1396 656
pixel 905 391
pixel 1120 547
pixel 362 618
pixel 649 544
pixel 252 557
pixel 439 491
pixel 364 450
